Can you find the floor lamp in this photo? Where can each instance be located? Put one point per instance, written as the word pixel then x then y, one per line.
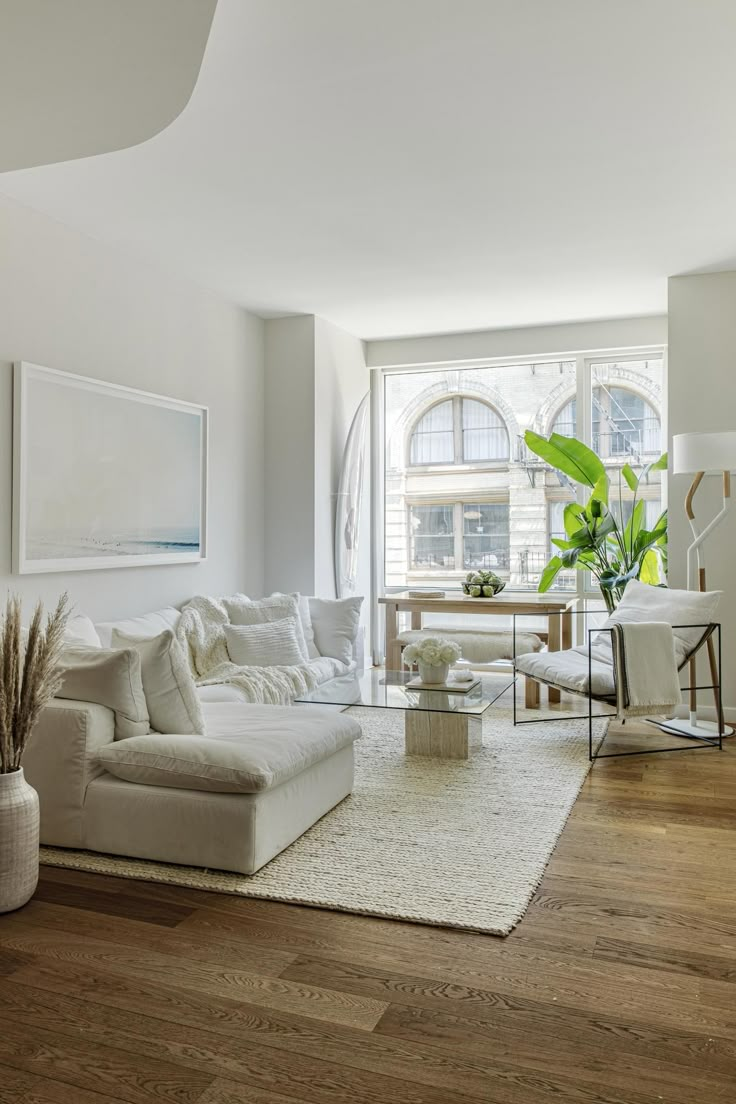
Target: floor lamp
pixel 697 454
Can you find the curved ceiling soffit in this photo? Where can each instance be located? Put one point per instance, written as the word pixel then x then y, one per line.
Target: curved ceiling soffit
pixel 86 77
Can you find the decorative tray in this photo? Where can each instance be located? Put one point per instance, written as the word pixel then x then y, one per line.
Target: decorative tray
pixel 451 687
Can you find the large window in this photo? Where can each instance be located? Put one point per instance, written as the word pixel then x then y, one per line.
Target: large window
pixel 458 431
pixel 433 437
pixel 432 537
pixel 486 536
pixel 462 492
pixel 471 535
pixel 624 424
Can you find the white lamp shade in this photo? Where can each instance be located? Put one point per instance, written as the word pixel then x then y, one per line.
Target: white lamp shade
pixel 706 452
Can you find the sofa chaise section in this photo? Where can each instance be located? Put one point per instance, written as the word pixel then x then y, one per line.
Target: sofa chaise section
pixel 302 766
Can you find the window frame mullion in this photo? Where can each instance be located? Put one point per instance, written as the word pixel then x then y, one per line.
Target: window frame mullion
pixel 457 428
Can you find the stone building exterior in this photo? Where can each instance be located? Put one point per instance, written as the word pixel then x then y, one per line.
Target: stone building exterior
pixel 462 490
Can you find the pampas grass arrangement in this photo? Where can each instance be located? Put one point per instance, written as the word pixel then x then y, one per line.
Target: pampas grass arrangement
pixel 29 675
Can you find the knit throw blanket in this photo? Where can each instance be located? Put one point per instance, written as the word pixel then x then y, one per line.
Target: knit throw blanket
pixel 201 634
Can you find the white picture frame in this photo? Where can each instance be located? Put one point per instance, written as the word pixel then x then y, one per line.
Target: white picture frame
pixel 104 476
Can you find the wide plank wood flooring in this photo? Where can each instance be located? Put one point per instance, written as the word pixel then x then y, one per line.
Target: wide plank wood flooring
pixel 618 987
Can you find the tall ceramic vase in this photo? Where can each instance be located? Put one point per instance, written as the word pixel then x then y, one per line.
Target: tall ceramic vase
pixel 19 830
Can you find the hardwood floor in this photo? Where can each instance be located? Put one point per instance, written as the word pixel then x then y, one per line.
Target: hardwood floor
pixel 618 987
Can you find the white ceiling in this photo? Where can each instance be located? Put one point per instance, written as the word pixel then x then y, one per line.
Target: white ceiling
pixel 416 166
pixel 89 76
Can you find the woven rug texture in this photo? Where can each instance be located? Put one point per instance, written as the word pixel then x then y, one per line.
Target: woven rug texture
pixel 458 844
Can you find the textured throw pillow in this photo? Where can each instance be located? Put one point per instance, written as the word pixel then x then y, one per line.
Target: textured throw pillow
pixel 81 632
pixel 305 616
pixel 109 678
pixel 335 622
pixel 642 602
pixel 171 695
pixel 270 644
pixel 243 612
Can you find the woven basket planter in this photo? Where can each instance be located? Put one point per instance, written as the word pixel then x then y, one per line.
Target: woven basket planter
pixel 19 827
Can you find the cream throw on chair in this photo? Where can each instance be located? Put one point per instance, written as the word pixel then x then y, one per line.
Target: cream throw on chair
pixel 646 669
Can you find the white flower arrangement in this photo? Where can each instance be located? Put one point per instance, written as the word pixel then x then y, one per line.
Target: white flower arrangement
pixel 433 650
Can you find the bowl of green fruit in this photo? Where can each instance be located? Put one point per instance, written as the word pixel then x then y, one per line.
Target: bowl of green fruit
pixel 482 584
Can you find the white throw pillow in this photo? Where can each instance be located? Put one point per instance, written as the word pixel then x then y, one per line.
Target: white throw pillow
pixel 243 612
pixel 81 632
pixel 305 616
pixel 335 622
pixel 642 602
pixel 147 625
pixel 269 644
pixel 171 694
pixel 109 678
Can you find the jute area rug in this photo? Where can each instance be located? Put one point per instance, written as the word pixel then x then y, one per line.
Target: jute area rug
pixel 434 841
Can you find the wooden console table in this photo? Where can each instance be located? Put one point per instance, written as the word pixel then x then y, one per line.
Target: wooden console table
pixel 556 608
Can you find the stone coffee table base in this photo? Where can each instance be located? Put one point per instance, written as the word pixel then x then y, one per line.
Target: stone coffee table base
pixel 442 735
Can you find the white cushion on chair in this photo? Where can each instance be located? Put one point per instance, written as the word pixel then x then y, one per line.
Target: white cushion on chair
pixel 569 671
pixel 642 602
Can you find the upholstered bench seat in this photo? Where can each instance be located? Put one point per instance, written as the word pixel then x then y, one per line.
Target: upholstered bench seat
pixel 478 645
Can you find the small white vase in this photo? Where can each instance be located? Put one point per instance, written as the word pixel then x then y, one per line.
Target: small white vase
pixel 19 832
pixel 433 673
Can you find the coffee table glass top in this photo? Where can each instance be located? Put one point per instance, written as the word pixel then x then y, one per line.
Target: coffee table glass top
pixel 382 689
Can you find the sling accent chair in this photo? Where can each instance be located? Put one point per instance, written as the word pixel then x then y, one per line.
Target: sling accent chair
pixel 597 670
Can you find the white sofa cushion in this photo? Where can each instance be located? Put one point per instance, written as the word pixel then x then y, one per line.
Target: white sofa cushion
pixel 80 631
pixel 242 611
pixel 107 677
pixel 305 613
pixel 149 624
pixel 171 694
pixel 254 749
pixel 305 616
pixel 335 622
pixel 271 644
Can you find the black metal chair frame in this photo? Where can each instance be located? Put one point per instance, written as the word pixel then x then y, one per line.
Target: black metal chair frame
pixel 702 742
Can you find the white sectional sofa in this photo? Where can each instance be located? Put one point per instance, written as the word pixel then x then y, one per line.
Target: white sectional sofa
pixel 230 800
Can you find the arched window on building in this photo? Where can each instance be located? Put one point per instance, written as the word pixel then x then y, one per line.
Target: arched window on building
pixel 459 430
pixel 624 424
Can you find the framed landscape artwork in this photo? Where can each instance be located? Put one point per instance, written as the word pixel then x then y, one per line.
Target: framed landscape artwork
pixel 104 476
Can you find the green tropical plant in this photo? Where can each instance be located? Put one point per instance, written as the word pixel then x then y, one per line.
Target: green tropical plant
pixel 596 539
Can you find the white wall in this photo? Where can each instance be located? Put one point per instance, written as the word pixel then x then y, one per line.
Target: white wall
pixel 289 474
pixel 702 396
pixel 618 333
pixel 341 381
pixel 70 303
pixel 316 376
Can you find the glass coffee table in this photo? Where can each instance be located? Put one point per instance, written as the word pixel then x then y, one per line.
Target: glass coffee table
pixel 439 723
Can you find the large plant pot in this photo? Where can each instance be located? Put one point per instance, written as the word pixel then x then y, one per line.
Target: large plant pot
pixel 19 829
pixel 434 674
